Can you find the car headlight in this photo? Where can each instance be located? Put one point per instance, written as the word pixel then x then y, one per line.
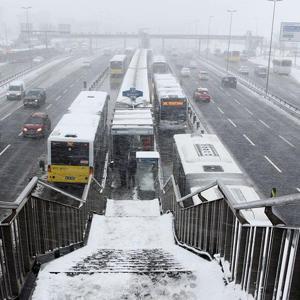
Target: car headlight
pixel 7 94
pixel 36 100
pixel 39 130
pixel 25 129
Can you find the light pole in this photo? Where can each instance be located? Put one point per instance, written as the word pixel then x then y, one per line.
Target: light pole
pixel 26 8
pixel 231 11
pixel 208 34
pixel 271 40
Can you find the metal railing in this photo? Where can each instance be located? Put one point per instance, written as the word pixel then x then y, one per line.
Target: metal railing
pixel 32 227
pixel 263 260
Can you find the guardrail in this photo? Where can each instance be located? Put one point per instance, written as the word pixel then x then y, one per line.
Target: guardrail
pixel 33 227
pixel 15 76
pixel 263 260
pixel 98 79
pixel 282 103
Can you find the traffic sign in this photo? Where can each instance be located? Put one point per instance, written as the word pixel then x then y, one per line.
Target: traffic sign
pixel 132 93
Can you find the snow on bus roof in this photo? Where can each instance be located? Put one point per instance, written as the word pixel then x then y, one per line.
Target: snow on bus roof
pixel 75 127
pixel 89 102
pixel 199 151
pixel 118 57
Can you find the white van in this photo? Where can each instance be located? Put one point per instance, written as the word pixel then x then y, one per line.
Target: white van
pixel 16 90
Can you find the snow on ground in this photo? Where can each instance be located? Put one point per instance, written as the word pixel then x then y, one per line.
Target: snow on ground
pixel 129 208
pixel 133 256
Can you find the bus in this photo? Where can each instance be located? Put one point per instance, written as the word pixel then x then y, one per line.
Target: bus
pixel 160 65
pixel 118 65
pixel 77 144
pixel 282 66
pixel 233 56
pixel 199 160
pixel 170 103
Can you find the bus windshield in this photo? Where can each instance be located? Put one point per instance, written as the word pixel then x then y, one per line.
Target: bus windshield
pixel 116 64
pixel 70 153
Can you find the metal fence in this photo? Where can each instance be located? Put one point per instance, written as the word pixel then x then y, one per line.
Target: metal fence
pixel 32 227
pixel 264 261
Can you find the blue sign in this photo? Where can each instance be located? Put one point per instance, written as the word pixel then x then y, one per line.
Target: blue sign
pixel 132 93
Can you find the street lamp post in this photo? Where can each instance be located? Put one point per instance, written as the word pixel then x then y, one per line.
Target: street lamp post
pixel 231 11
pixel 26 8
pixel 271 41
pixel 208 34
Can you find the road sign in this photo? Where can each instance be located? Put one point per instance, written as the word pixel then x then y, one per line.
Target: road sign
pixel 132 93
pixel 290 32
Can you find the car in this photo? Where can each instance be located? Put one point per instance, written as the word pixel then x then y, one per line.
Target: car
pixel 185 72
pixel 244 70
pixel 35 97
pixel 201 94
pixel 16 90
pixel 261 71
pixel 229 81
pixel 86 64
pixel 38 59
pixel 37 125
pixel 203 75
pixel 193 64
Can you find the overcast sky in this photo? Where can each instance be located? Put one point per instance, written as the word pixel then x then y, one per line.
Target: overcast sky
pixel 158 15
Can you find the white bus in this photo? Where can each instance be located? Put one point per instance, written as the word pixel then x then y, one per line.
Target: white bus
pixel 282 66
pixel 118 65
pixel 160 65
pixel 77 144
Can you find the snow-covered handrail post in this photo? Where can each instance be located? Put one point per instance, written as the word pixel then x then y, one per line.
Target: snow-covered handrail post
pixel 252 253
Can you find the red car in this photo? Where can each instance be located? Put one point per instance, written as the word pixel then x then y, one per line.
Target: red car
pixel 37 125
pixel 202 94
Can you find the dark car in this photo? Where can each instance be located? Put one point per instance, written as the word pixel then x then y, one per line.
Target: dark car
pixel 37 125
pixel 229 81
pixel 35 97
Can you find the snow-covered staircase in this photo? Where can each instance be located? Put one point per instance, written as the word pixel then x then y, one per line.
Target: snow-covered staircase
pixel 130 254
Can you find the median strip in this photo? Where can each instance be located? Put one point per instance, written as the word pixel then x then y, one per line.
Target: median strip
pixel 269 160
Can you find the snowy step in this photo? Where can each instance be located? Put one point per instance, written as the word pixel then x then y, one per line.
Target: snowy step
pixel 135 261
pixel 132 208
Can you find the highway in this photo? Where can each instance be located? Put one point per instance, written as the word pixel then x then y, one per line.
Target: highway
pixel 264 140
pixel 19 156
pixel 284 86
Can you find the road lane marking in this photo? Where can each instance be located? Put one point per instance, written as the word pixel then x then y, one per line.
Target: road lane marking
pixel 11 112
pixel 269 160
pixel 72 85
pixel 221 111
pixel 4 149
pixel 49 106
pixel 250 112
pixel 233 124
pixel 244 135
pixel 6 116
pixel 57 98
pixel 212 100
pixel 265 124
pixel 298 189
pixel 285 140
pixel 65 91
pixel 237 101
pixel 20 133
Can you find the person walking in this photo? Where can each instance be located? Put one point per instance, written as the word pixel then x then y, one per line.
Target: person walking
pixel 132 166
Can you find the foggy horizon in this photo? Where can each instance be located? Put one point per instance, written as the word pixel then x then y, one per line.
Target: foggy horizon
pixel 170 17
